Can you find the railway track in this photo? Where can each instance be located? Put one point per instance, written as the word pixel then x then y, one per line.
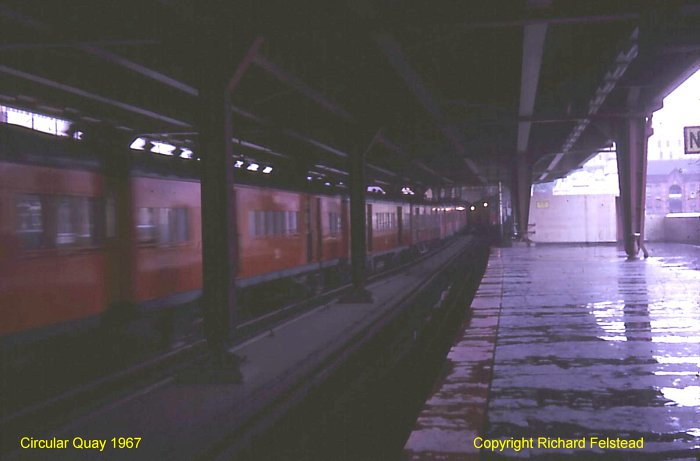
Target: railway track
pixel 118 388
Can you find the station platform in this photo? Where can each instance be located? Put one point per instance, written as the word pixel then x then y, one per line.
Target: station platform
pixel 569 348
pixel 188 417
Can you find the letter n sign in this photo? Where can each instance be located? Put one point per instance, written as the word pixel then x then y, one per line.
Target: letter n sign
pixel 692 139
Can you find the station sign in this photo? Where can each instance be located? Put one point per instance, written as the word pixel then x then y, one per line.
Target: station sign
pixel 691 134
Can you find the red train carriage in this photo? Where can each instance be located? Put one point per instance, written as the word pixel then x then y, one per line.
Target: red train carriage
pixel 426 225
pixel 75 241
pixel 388 231
pixel 52 266
pixel 167 239
pixel 273 233
pixel 334 222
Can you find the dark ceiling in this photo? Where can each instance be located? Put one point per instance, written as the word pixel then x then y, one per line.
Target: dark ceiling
pixel 450 91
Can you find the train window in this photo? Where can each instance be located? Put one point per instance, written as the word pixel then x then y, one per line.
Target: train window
pixel 293 222
pixel 162 226
pixel 269 222
pixel 262 223
pixel 384 221
pixel 259 223
pixel 110 218
pixel 334 223
pixel 146 225
pixel 177 225
pixel 280 225
pixel 251 223
pixel 75 221
pixel 30 223
pixel 288 222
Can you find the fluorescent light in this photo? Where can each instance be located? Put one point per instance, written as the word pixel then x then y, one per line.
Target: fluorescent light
pixel 138 144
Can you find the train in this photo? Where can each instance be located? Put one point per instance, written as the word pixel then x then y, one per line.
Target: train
pixel 69 253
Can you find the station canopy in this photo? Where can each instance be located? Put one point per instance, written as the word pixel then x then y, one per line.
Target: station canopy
pixel 447 92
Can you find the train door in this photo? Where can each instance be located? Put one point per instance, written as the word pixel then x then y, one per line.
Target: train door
pixel 309 234
pixel 345 227
pixel 416 224
pixel 369 228
pixel 399 224
pixel 318 229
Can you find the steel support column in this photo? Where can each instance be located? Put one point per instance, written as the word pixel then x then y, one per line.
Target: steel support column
pixel 501 229
pixel 219 229
pixel 218 217
pixel 119 217
pixel 522 183
pixel 631 169
pixel 358 226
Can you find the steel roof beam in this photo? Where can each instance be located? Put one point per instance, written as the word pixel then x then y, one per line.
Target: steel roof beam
pixel 92 96
pixel 394 53
pixel 559 20
pixel 101 53
pixel 533 49
pixel 140 69
pixel 622 61
pixel 321 100
pixel 392 146
pixel 74 44
pixel 307 140
pixel 296 83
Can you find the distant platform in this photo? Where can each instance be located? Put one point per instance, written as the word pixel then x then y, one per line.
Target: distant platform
pixel 570 348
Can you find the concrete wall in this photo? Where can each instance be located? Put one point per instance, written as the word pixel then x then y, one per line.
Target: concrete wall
pixel 573 218
pixel 682 229
pixel 654 228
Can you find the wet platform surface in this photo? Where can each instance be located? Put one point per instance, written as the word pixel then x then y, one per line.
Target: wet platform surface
pixel 588 345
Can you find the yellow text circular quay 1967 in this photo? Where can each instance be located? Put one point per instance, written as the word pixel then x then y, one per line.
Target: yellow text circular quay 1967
pixel 79 443
pixel 549 443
